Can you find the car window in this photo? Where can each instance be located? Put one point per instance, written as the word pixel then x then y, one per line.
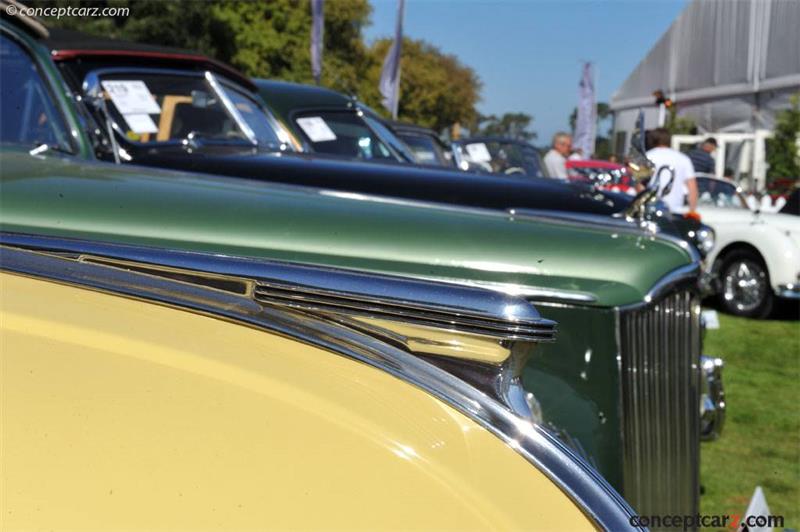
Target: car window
pixel 29 113
pixel 342 133
pixel 255 116
pixel 390 138
pixel 504 158
pixel 425 149
pixel 153 108
pixel 716 193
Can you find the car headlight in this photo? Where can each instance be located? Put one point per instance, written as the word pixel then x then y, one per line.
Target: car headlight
pixel 705 238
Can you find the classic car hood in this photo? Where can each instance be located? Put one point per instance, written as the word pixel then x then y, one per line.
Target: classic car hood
pixel 128 204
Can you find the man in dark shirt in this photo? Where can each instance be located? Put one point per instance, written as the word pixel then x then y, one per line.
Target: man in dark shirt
pixel 701 156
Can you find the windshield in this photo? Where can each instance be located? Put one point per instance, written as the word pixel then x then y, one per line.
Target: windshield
pixel 29 114
pixel 342 133
pixel 716 193
pixel 390 138
pixel 155 107
pixel 507 158
pixel 426 150
pixel 264 126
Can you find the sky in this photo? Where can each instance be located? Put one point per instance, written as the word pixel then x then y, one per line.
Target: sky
pixel 528 53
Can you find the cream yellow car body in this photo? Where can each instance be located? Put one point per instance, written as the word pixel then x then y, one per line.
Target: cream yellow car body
pixel 123 414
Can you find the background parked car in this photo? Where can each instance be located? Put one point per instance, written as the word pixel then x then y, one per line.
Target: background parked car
pixel 757 257
pixel 499 155
pixel 427 146
pixel 223 128
pixel 330 123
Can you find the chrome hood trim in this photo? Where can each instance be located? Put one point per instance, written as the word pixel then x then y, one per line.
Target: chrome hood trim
pixel 459 308
pixel 575 478
pixel 687 276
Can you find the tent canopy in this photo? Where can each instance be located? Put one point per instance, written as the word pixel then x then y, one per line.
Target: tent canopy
pixel 728 64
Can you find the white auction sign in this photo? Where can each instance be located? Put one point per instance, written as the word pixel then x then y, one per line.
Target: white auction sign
pixel 131 97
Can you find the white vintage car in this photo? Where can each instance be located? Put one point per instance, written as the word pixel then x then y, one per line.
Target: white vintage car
pixel 757 254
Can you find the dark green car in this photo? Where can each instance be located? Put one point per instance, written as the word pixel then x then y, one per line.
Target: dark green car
pixel 621 386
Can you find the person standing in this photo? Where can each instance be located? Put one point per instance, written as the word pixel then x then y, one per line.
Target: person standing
pixel 684 186
pixel 555 161
pixel 701 157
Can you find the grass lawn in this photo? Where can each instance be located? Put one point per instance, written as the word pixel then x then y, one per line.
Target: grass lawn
pixel 760 444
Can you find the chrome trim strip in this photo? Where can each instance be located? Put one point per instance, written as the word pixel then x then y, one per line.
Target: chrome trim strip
pixel 579 481
pixel 684 275
pixel 529 292
pixel 583 220
pixel 228 104
pixel 462 308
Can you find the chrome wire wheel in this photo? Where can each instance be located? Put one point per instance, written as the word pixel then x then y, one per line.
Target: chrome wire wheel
pixel 744 286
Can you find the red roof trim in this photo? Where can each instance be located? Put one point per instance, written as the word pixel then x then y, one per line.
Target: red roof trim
pixel 66 55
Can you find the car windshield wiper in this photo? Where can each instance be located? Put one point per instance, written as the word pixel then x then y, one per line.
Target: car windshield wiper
pixel 44 147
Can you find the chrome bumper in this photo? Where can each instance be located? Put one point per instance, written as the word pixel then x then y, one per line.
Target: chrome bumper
pixel 712 398
pixel 791 291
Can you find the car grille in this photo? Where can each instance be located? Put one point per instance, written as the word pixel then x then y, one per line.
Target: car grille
pixel 660 347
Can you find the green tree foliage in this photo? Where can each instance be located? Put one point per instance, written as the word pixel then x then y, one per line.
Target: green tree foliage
pixel 271 39
pixel 263 39
pixel 436 89
pixel 511 125
pixel 783 153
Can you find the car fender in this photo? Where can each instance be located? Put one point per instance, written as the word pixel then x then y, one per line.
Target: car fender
pixel 747 230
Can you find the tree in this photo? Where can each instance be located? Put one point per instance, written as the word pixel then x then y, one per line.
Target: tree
pixel 263 39
pixel 436 89
pixel 783 152
pixel 511 125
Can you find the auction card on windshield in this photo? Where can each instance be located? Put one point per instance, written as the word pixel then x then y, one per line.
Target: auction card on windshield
pixel 141 123
pixel 478 152
pixel 131 97
pixel 316 128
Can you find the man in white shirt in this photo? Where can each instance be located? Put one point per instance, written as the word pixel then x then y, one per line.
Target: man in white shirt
pixel 684 186
pixel 556 159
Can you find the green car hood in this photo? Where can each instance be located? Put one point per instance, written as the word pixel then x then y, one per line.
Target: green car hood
pixel 62 196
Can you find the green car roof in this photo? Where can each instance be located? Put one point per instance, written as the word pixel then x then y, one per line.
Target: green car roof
pixel 64 196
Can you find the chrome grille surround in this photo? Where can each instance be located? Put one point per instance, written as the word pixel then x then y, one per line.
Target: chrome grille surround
pixel 660 346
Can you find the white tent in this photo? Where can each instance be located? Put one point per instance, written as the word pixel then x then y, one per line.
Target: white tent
pixel 727 64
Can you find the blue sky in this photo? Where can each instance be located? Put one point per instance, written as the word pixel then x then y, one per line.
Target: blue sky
pixel 528 52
